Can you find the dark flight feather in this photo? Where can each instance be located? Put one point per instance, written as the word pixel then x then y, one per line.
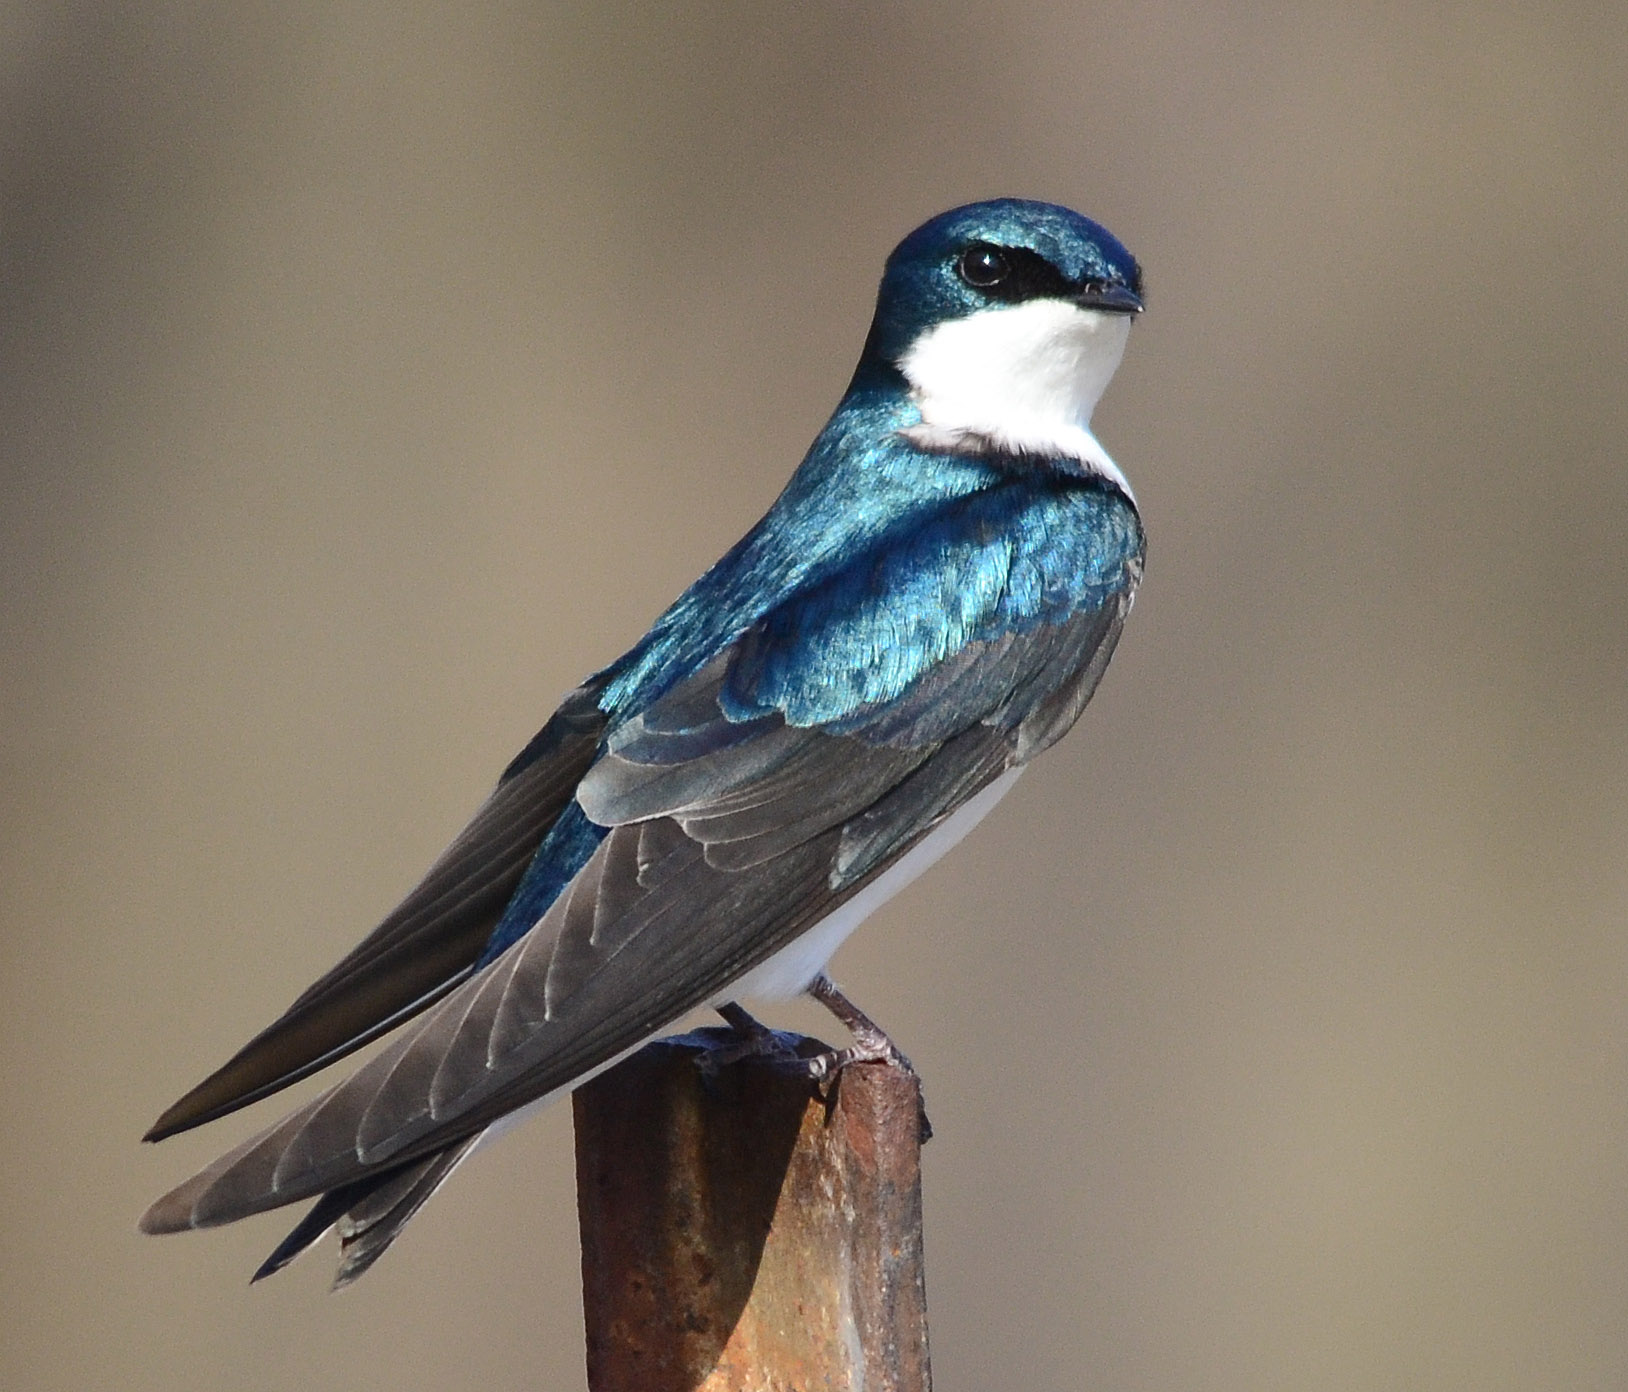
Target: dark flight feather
pixel 425 946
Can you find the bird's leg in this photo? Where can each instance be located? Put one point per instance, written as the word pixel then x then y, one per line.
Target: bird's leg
pixel 871 1045
pixel 753 1038
pixel 743 1022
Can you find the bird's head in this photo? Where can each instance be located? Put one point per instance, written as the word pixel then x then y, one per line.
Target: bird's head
pixel 1005 320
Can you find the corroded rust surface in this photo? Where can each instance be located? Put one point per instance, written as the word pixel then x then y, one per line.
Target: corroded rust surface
pixel 742 1233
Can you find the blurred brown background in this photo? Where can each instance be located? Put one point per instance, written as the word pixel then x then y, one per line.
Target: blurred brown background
pixel 369 373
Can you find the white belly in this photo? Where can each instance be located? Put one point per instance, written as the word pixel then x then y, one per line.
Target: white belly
pixel 789 972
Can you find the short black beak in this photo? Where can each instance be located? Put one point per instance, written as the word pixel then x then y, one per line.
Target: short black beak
pixel 1110 298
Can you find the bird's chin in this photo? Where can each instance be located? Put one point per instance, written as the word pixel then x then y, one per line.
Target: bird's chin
pixel 1023 372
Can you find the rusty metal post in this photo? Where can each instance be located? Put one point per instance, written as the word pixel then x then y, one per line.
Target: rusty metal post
pixel 742 1233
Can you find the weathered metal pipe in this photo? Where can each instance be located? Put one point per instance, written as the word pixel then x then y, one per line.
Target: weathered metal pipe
pixel 743 1233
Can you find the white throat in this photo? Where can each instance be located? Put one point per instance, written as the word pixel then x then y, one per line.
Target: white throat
pixel 1025 377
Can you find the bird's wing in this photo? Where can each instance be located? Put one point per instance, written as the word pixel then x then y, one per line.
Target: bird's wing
pixel 427 945
pixel 730 829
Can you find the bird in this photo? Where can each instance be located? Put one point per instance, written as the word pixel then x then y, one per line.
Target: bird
pixel 928 604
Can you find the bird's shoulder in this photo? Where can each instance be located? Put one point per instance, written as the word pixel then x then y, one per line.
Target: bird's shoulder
pixel 983 581
pixel 829 609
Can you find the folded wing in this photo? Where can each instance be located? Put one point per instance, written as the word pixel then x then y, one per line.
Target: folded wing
pixel 427 945
pixel 739 808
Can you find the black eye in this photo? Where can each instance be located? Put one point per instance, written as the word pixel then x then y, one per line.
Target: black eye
pixel 983 266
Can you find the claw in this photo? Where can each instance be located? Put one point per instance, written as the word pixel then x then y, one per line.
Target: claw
pixel 871 1045
pixel 753 1039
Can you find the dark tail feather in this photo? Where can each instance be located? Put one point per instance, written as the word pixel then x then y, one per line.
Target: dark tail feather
pixel 370 1214
pixel 372 1225
pixel 327 1211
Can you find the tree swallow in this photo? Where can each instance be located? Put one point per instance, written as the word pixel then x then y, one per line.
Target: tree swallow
pixel 928 605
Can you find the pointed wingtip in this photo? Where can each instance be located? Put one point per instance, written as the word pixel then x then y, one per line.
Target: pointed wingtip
pixel 158 1131
pixel 176 1211
pixel 198 1106
pixel 224 1091
pixel 158 1220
